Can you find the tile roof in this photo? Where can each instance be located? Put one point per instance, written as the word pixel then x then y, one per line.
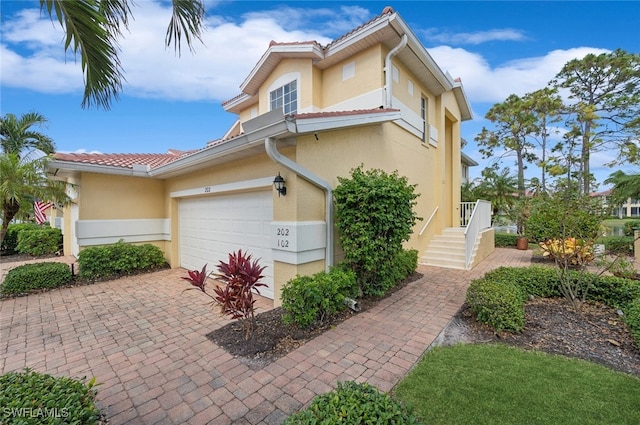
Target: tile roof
pixel 123 160
pixel 154 160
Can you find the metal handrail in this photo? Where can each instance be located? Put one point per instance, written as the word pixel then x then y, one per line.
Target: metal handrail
pixel 428 221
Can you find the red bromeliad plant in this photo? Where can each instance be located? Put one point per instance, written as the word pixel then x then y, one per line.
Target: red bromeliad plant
pixel 240 278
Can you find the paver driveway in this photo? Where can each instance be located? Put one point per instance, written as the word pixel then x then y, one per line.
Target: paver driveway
pixel 144 340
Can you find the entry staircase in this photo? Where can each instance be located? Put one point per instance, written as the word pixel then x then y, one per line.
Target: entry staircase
pixel 456 247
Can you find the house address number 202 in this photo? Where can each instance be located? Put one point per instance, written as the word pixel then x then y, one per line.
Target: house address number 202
pixel 283 237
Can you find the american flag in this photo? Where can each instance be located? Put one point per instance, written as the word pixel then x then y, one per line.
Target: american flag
pixel 39 207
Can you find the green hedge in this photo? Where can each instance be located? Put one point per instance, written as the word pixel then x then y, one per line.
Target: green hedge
pixel 505 240
pixel 498 298
pixel 30 398
pixel 617 244
pixel 28 277
pixel 10 241
pixel 499 304
pixel 39 240
pixel 310 299
pixel 353 403
pixel 119 259
pixel 632 318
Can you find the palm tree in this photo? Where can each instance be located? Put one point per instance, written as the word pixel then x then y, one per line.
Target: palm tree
pixel 624 186
pixel 16 135
pixel 500 189
pixel 92 29
pixel 20 182
pixel 22 174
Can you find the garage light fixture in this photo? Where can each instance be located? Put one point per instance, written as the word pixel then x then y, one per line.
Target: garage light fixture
pixel 278 182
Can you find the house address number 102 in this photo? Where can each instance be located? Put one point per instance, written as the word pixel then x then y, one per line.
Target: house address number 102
pixel 282 237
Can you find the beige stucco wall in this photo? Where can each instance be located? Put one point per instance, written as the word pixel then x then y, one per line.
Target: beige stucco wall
pixel 368 77
pixel 109 197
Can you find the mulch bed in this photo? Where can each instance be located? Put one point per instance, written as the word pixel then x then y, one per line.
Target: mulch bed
pixel 272 338
pixel 596 333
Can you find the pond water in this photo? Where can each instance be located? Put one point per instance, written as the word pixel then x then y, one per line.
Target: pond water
pixel 613 230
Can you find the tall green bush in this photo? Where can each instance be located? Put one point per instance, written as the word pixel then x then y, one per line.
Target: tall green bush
pixel 505 240
pixel 374 215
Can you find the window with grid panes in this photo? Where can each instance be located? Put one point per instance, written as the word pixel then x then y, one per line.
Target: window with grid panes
pixel 285 97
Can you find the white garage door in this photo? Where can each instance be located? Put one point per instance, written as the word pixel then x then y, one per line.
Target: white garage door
pixel 212 227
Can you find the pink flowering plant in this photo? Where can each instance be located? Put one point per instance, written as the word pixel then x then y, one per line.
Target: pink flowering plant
pixel 240 279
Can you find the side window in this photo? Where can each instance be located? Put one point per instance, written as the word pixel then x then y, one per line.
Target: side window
pixel 285 97
pixel 425 122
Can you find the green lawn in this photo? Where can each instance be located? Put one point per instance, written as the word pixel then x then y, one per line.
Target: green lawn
pixel 497 384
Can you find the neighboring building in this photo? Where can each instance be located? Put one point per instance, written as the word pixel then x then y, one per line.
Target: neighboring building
pixel 466 163
pixel 630 208
pixel 310 114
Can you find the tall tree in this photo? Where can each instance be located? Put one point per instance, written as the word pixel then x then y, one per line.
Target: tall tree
pixel 92 29
pixel 605 91
pixel 16 134
pixel 546 106
pixel 514 122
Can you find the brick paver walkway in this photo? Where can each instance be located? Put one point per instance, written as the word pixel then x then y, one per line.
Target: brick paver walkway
pixel 144 340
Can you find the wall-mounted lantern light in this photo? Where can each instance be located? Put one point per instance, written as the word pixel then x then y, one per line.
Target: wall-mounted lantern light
pixel 278 182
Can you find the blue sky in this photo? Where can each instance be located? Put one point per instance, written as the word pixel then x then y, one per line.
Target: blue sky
pixel 497 48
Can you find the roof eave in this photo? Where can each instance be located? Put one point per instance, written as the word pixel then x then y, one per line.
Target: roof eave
pixel 55 165
pixel 312 125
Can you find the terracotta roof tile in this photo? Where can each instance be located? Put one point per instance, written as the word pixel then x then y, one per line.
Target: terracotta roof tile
pixel 123 160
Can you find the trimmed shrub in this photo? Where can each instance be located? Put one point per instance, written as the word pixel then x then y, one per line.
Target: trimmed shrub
pixel 353 403
pixel 39 240
pixel 28 277
pixel 505 240
pixel 119 259
pixel 632 318
pixel 499 304
pixel 534 280
pixel 614 291
pixel 11 238
pixel 307 300
pixel 30 397
pixel 617 245
pixel 406 263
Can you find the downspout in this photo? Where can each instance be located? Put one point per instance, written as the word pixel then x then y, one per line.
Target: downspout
pixel 389 70
pixel 277 157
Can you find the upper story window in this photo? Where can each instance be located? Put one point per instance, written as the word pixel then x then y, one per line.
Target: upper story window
pixel 285 97
pixel 423 114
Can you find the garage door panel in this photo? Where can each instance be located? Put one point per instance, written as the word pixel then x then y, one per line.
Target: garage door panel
pixel 212 227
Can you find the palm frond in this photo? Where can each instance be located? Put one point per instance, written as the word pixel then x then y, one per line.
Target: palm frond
pixel 93 36
pixel 186 21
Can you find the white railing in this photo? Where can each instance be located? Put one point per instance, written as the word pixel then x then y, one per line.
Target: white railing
pixel 479 220
pixel 466 208
pixel 428 221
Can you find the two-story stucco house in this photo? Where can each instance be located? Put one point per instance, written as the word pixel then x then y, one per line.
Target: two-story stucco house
pixel 309 114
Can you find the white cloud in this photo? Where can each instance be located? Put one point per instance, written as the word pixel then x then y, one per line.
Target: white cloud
pixel 30 59
pixel 490 85
pixel 478 37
